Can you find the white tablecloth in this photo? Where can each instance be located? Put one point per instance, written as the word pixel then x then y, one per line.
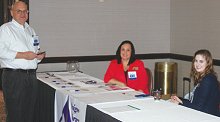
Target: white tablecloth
pixel 143 110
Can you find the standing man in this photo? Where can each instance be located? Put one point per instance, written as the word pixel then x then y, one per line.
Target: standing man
pixel 19 48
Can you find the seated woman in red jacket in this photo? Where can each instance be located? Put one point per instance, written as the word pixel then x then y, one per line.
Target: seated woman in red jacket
pixel 126 70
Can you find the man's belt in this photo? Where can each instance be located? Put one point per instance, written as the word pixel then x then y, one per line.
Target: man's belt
pixel 20 70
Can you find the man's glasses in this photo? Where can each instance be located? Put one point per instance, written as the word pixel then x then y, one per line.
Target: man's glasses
pixel 20 11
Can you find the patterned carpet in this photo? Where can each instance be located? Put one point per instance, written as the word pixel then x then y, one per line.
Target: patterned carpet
pixel 2 108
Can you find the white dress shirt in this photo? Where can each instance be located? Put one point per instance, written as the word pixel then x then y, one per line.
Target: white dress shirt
pixel 17 38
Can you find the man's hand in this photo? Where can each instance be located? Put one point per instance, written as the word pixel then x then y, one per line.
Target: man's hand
pixel 40 56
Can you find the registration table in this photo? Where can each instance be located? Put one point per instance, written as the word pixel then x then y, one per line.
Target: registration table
pixel 79 97
pixel 74 91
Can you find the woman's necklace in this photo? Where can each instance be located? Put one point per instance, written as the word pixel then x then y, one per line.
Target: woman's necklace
pixel 126 68
pixel 125 65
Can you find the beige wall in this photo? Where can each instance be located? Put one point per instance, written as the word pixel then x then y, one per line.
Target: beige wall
pixel 195 24
pixel 90 27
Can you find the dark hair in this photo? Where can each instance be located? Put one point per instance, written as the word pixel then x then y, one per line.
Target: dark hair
pixel 197 76
pixel 118 52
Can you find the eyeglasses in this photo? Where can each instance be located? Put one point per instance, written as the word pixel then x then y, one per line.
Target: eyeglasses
pixel 20 11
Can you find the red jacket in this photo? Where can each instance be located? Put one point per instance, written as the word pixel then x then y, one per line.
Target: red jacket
pixel 116 71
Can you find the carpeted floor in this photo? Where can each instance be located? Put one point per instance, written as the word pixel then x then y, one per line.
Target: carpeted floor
pixel 2 108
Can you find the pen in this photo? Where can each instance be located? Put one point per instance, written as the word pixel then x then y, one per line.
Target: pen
pixel 142 95
pixel 134 107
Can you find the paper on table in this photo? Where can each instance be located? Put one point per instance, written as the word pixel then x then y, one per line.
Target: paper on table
pixel 114 87
pixel 67 74
pixel 123 108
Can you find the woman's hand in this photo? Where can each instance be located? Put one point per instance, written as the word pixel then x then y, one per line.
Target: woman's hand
pixel 116 82
pixel 176 100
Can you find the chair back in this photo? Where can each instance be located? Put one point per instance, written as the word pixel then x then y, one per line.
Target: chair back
pixel 150 80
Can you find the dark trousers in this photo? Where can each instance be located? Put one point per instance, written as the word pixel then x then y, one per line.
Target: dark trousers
pixel 20 95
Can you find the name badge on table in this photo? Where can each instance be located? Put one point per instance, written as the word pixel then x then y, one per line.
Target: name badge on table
pixel 132 75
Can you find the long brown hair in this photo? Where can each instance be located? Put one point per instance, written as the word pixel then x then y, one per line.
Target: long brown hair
pixel 118 52
pixel 197 76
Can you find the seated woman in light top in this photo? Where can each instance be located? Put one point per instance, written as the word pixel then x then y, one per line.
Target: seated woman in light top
pixel 126 70
pixel 206 93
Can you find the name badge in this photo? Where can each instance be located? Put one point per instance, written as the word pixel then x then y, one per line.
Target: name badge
pixel 132 75
pixel 36 40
